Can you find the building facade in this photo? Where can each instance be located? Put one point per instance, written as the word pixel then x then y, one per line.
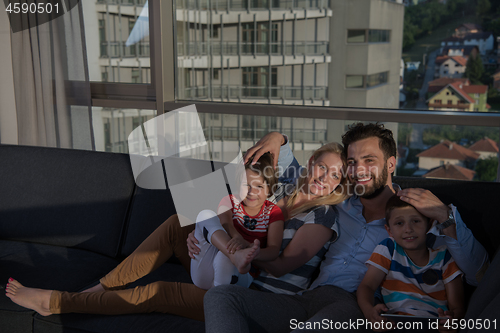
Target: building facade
pixel 288 52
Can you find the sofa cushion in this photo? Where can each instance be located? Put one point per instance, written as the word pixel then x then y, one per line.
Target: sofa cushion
pixel 47 267
pixel 149 209
pixel 64 197
pixel 132 323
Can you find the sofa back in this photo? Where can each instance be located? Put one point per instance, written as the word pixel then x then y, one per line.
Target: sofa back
pixel 477 203
pixel 64 197
pixel 150 208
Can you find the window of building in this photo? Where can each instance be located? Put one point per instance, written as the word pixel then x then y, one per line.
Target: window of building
pixel 379 36
pixel 355 81
pixel 356 36
pixel 136 75
pixel 256 38
pixel 450 102
pixel 437 101
pixel 257 80
pixel 376 79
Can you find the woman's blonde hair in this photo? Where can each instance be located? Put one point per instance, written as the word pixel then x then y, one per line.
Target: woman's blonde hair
pixel 334 198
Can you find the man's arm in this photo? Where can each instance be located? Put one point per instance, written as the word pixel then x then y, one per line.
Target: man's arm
pixel 469 254
pixel 277 144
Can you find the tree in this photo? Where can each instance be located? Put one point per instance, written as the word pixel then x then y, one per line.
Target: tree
pixel 474 70
pixel 483 8
pixel 486 170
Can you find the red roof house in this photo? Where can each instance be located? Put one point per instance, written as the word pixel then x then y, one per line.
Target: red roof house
pixel 450 171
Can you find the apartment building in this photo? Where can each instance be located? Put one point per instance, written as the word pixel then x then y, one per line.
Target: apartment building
pixel 288 52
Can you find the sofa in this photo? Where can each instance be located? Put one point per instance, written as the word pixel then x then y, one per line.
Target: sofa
pixel 67 217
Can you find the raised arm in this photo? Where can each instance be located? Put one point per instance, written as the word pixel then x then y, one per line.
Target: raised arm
pixel 469 254
pixel 277 144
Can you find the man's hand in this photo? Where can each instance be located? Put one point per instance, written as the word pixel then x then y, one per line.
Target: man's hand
pixel 426 203
pixel 191 245
pixel 448 314
pixel 237 243
pixel 271 142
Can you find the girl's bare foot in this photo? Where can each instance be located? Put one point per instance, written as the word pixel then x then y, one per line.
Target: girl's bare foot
pixel 94 289
pixel 31 298
pixel 242 258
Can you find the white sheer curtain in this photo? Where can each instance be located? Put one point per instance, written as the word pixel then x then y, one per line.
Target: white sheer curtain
pixel 51 85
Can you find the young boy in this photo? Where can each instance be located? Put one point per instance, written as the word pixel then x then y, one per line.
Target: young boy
pixel 414 279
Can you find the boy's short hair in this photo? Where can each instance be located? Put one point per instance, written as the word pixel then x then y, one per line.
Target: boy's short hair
pixel 396 202
pixel 264 167
pixel 360 131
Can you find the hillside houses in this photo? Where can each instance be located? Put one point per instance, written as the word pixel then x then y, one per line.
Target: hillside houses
pixel 447 152
pixel 485 148
pixel 450 171
pixel 450 94
pixel 483 40
pixel 452 67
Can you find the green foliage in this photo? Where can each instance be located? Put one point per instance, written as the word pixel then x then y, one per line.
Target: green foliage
pixel 421 20
pixel 493 25
pixel 404 133
pixel 486 170
pixel 475 70
pixel 483 8
pixel 433 135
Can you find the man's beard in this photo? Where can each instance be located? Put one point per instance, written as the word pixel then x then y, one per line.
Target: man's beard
pixel 370 192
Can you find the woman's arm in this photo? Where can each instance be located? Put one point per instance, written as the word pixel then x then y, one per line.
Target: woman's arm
pixel 274 238
pixel 366 291
pixel 308 240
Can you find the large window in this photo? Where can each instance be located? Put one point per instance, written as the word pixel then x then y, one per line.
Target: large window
pixel 304 54
pixel 121 51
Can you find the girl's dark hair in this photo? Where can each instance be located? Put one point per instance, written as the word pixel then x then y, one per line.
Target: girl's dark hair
pixel 360 131
pixel 264 167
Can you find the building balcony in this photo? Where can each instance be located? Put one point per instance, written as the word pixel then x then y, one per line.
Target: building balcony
pixel 242 5
pixel 256 94
pixel 120 50
pixel 440 106
pixel 252 48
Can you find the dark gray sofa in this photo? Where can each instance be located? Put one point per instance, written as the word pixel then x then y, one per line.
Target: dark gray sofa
pixel 67 217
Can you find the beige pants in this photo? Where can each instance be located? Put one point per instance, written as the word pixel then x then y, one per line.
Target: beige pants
pixel 181 299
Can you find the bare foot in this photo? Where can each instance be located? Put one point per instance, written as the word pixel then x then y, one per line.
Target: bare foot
pixel 94 289
pixel 242 258
pixel 31 298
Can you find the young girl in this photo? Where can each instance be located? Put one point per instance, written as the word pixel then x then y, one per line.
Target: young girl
pixel 244 230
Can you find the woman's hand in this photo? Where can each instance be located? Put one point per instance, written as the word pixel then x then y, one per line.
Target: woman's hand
pixel 237 243
pixel 271 142
pixel 191 245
